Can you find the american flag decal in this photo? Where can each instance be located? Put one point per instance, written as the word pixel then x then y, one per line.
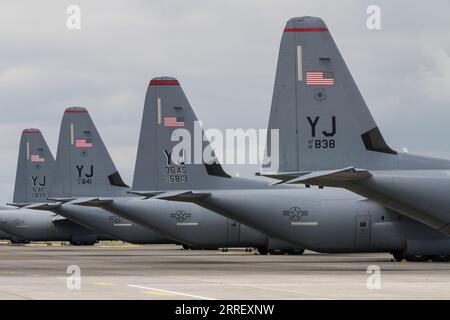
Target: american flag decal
pixel 37 158
pixel 319 78
pixel 83 143
pixel 174 122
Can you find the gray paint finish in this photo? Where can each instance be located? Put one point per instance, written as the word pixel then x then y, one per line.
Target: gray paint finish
pixel 35 169
pixel 186 223
pixel 413 185
pixel 84 169
pixel 336 227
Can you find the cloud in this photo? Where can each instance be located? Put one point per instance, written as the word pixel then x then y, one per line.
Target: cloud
pixel 224 53
pixel 434 77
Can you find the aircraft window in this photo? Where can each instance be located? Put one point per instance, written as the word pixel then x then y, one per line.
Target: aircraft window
pixel 363 224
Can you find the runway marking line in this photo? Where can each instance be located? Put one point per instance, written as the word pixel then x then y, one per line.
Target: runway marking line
pixel 170 292
pixel 105 284
pixel 158 293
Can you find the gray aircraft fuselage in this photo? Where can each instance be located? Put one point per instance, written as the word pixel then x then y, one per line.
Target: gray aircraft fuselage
pixel 422 195
pixel 192 225
pixel 106 223
pixel 5 236
pixel 45 226
pixel 326 220
pixel 328 137
pixel 84 168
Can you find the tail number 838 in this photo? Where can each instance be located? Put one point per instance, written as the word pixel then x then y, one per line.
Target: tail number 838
pixel 321 144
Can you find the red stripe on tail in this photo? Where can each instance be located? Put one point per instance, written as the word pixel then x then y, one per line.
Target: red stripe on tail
pixel 164 83
pixel 305 30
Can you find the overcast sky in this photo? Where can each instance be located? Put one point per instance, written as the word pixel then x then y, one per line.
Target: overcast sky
pixel 224 54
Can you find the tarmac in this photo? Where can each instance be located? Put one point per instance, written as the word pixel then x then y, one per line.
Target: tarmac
pixel 123 271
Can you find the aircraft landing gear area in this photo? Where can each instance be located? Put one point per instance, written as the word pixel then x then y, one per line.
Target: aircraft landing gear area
pixel 401 256
pixel 263 251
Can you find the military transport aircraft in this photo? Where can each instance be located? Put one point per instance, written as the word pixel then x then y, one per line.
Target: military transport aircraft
pixel 82 162
pixel 333 140
pixel 302 98
pixel 34 174
pixel 186 223
pixel 328 220
pixel 84 168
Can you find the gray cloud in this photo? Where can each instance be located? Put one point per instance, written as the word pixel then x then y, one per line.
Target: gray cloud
pixel 224 53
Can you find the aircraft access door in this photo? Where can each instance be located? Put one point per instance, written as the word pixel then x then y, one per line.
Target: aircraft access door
pixel 362 232
pixel 233 231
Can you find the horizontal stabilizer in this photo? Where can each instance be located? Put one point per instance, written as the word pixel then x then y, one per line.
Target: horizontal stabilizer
pixel 62 200
pixel 44 206
pixel 186 196
pixel 146 194
pixel 282 176
pixel 92 202
pixel 338 177
pixel 18 205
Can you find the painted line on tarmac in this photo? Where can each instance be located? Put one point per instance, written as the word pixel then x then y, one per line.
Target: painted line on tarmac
pixel 170 292
pixel 105 284
pixel 158 293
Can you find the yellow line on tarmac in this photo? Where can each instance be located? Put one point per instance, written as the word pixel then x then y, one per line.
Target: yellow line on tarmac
pixel 50 244
pixel 157 293
pixel 105 284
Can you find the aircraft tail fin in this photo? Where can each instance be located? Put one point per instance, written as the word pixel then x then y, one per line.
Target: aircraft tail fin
pixel 167 120
pixel 35 168
pixel 323 120
pixel 84 167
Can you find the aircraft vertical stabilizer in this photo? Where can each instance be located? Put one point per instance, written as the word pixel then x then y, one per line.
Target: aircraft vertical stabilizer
pixel 329 138
pixel 323 120
pixel 168 118
pixel 83 165
pixel 35 168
